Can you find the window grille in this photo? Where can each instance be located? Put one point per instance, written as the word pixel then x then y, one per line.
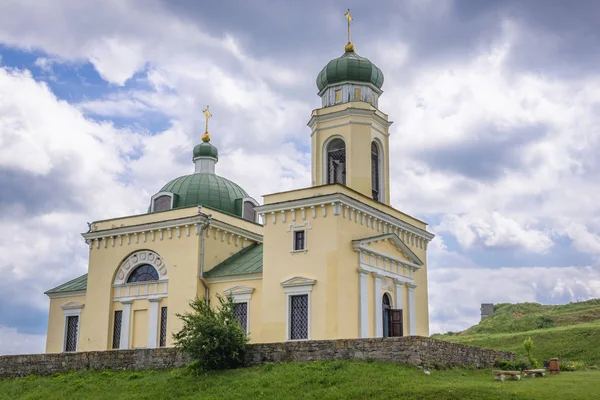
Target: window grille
pixel 336 162
pixel 299 317
pixel 375 171
pixel 163 327
pixel 241 313
pixel 143 273
pixel 117 329
pixel 71 339
pixel 299 240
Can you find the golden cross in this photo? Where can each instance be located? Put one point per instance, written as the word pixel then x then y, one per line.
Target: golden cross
pixel 208 115
pixel 349 18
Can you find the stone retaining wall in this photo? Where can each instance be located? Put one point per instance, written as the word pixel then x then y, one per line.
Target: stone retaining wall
pixel 412 350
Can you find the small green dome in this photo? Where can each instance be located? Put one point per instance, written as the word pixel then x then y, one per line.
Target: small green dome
pixel 207 189
pixel 350 67
pixel 205 149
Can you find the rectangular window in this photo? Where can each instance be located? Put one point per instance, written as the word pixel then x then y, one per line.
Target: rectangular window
pixel 241 313
pixel 163 327
pixel 338 95
pixel 117 329
pixel 299 317
pixel 71 334
pixel 299 240
pixel 373 100
pixel 357 94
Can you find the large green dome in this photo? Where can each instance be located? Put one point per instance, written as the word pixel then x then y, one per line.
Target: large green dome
pixel 350 67
pixel 207 189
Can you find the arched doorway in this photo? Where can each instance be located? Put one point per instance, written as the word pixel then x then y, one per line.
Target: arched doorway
pixel 387 306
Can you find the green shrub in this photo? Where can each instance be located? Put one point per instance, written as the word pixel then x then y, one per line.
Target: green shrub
pixel 528 347
pixel 517 365
pixel 570 366
pixel 212 337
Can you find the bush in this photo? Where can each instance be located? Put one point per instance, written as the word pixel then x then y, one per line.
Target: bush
pixel 528 347
pixel 570 366
pixel 508 365
pixel 212 337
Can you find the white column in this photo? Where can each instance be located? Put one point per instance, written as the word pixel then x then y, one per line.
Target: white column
pixel 412 317
pixel 399 294
pixel 363 306
pixel 153 323
pixel 125 319
pixel 378 305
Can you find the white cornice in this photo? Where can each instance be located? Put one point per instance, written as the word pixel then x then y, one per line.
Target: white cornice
pixel 72 305
pixel 62 295
pixel 369 250
pixel 235 278
pixel 392 237
pixel 345 200
pixel 375 127
pixel 349 112
pixel 359 83
pixel 366 268
pixel 173 223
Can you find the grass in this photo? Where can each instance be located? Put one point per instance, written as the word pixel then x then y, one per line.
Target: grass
pixel 318 380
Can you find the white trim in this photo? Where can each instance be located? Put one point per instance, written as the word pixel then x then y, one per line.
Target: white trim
pixel 361 244
pixel 378 312
pixel 159 194
pixel 385 273
pixel 412 317
pixel 235 278
pixel 325 165
pixel 71 309
pixel 297 286
pixel 255 204
pixel 347 201
pixel 241 295
pixel 137 259
pixel 125 323
pixel 305 245
pixel 381 167
pixel 61 295
pixel 385 256
pixel 363 307
pixel 153 316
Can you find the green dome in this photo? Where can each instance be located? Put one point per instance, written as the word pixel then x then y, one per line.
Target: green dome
pixel 205 149
pixel 350 67
pixel 207 189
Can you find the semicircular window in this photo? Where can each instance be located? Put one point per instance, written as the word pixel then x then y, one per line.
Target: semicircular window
pixel 143 273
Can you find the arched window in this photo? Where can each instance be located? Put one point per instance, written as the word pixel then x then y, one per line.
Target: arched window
pixel 386 306
pixel 143 273
pixel 336 162
pixel 375 171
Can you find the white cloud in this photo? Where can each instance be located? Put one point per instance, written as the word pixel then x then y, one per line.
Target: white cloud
pixel 14 342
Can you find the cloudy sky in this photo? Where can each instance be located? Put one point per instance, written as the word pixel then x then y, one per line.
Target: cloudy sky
pixel 496 110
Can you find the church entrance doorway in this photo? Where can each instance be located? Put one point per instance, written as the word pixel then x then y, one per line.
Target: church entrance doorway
pixel 392 319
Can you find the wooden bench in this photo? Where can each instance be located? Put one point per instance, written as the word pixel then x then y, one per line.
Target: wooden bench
pixel 501 375
pixel 532 373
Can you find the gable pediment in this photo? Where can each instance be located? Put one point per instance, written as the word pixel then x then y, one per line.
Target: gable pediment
pixel 240 289
pixel 298 281
pixel 72 305
pixel 388 246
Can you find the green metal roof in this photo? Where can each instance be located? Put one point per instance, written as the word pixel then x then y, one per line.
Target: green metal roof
pixel 205 149
pixel 246 261
pixel 75 285
pixel 349 67
pixel 207 189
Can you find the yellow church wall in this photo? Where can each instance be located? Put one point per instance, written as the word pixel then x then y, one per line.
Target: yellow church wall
pixel 56 322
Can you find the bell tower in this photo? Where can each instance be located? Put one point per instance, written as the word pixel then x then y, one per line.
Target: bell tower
pixel 349 134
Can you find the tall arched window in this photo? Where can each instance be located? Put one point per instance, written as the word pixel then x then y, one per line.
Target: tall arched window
pixel 143 273
pixel 375 171
pixel 336 162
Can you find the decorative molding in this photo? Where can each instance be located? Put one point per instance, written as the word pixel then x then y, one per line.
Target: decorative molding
pixel 240 293
pixel 298 284
pixel 138 258
pixel 72 305
pixel 362 245
pixel 347 201
pixel 62 295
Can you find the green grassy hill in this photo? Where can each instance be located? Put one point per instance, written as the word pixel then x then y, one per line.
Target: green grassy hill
pixel 570 332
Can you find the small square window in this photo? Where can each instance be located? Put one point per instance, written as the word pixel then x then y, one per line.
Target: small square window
pixel 357 94
pixel 299 240
pixel 338 95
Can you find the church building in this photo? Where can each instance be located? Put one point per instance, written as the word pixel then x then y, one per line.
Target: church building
pixel 331 261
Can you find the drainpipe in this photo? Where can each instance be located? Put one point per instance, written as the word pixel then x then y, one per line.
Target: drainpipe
pixel 201 271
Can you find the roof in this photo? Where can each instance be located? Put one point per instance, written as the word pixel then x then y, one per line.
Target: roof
pixel 246 261
pixel 75 285
pixel 207 189
pixel 349 67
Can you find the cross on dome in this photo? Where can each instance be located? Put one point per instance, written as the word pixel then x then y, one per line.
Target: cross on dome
pixel 207 114
pixel 349 46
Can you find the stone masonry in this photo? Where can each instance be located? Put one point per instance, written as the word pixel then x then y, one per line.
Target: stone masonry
pixel 413 350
